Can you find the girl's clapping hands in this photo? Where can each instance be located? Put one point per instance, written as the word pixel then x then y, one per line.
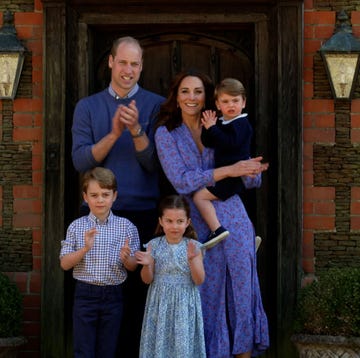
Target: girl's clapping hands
pixel 144 258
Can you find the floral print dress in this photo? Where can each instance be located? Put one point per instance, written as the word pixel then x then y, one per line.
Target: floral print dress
pixel 234 318
pixel 173 322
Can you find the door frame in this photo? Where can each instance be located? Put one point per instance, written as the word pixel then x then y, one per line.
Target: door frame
pixel 278 104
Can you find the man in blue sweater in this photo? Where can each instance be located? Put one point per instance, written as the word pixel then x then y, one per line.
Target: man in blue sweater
pixel 114 129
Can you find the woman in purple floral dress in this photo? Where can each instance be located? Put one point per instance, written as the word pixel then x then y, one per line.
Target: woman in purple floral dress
pixel 235 323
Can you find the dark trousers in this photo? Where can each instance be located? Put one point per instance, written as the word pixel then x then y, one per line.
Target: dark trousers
pixel 97 316
pixel 134 289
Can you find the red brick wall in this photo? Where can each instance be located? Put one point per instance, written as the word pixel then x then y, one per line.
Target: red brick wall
pixel 27 127
pixel 319 204
pixel 318 125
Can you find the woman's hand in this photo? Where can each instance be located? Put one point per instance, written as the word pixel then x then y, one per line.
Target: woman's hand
pixel 251 167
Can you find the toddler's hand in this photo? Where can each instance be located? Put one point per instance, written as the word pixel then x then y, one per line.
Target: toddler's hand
pixel 208 118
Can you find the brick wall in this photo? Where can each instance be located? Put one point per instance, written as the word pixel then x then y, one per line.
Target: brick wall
pixel 331 206
pixel 21 162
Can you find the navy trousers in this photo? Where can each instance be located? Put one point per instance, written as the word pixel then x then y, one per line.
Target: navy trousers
pixel 97 316
pixel 134 289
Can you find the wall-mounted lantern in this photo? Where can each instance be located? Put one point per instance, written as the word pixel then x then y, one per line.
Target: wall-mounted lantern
pixel 340 54
pixel 11 58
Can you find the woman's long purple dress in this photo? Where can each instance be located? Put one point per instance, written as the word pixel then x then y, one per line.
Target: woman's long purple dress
pixel 234 318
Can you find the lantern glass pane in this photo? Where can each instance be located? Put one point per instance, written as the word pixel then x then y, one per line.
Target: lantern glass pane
pixel 341 68
pixel 8 73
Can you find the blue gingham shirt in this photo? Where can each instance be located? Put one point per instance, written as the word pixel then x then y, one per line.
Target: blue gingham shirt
pixel 101 265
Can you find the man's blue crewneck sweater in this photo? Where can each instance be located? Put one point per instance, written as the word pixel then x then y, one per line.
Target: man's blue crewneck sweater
pixel 136 172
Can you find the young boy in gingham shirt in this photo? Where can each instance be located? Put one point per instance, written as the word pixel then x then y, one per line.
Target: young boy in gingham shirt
pixel 100 249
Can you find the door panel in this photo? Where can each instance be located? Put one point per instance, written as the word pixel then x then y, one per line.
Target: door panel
pixel 233 41
pixel 215 53
pixel 167 54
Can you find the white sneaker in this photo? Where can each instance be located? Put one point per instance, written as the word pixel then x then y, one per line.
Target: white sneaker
pixel 215 237
pixel 257 242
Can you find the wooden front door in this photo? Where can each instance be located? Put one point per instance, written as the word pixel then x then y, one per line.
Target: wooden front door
pixel 219 53
pixel 167 54
pixel 258 43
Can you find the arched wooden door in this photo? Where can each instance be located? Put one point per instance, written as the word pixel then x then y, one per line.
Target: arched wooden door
pixel 219 53
pixel 257 41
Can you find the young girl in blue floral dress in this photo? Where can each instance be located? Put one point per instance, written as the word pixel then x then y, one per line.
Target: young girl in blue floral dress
pixel 173 266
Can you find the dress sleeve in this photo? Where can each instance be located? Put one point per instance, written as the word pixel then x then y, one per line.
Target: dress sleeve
pixel 250 182
pixel 180 162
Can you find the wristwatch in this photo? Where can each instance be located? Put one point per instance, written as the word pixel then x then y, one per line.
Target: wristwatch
pixel 140 132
